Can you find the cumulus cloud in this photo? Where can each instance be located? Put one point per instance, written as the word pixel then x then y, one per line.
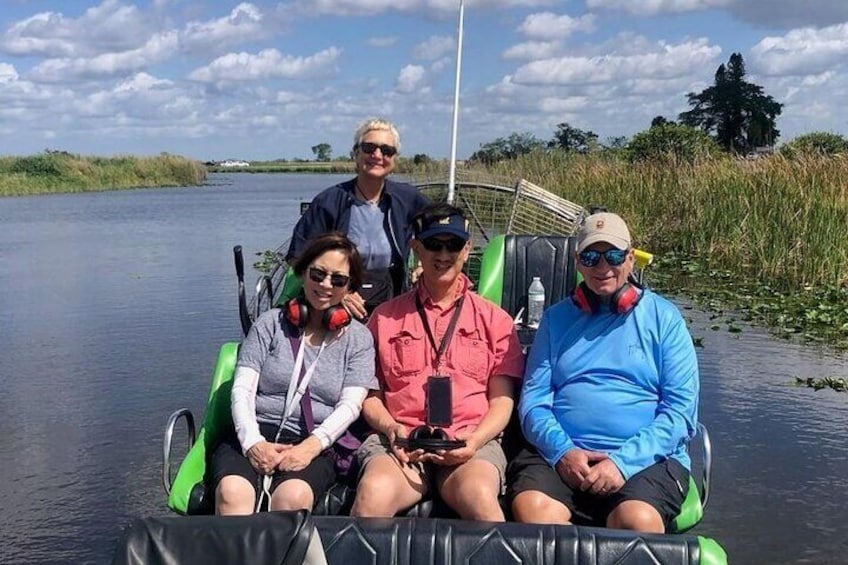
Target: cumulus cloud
pixel 434 48
pixel 8 73
pixel 111 26
pixel 410 79
pixel 667 61
pixel 790 14
pixel 802 51
pixel 157 48
pixel 547 25
pixel 657 7
pixel 531 50
pixel 244 23
pixel 268 63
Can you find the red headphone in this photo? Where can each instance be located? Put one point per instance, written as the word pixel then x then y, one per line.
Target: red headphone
pixel 297 309
pixel 622 301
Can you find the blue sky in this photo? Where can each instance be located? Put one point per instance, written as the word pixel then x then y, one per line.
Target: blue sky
pixel 267 80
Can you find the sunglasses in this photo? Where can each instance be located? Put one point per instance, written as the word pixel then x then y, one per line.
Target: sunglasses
pixel 453 245
pixel 320 275
pixel 370 148
pixel 613 257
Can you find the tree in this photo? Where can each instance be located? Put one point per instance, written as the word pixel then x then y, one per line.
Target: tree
pixel 736 113
pixel 421 159
pixel 322 151
pixel 816 143
pixel 661 121
pixel 573 139
pixel 671 141
pixel 507 148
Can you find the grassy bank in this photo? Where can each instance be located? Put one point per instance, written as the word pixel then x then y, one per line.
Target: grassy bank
pixel 56 172
pixel 764 238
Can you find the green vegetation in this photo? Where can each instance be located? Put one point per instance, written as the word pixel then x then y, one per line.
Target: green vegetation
pixel 58 171
pixel 321 167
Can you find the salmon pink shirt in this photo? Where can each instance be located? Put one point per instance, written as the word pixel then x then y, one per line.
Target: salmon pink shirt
pixel 484 344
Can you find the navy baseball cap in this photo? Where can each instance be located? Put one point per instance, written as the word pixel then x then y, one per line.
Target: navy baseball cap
pixel 454 225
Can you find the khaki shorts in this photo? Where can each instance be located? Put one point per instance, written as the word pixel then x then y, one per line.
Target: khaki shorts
pixel 378 444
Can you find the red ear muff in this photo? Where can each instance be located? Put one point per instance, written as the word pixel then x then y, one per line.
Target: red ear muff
pixel 335 318
pixel 585 299
pixel 296 313
pixel 625 298
pixel 623 301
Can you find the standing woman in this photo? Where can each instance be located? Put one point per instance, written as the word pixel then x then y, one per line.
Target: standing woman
pixel 310 341
pixel 375 213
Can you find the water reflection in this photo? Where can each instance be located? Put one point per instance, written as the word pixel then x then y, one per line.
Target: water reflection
pixel 113 305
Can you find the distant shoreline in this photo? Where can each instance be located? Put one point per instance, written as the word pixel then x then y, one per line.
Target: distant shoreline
pixel 57 172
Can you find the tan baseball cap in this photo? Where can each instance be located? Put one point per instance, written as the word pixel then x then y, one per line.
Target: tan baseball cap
pixel 603 227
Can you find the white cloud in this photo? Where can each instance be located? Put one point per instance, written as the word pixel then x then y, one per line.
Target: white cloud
pixel 547 25
pixel 802 51
pixel 111 26
pixel 410 79
pixel 434 47
pixel 656 7
pixel 158 48
pixel 8 73
pixel 531 50
pixel 244 23
pixel 667 61
pixel 437 8
pixel 380 42
pixel 268 63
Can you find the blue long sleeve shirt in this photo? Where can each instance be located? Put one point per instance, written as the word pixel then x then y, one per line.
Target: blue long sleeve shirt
pixel 626 385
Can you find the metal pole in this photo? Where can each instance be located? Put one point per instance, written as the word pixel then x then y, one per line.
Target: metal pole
pixel 454 125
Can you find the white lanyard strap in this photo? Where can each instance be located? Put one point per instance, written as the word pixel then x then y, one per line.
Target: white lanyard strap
pixel 294 396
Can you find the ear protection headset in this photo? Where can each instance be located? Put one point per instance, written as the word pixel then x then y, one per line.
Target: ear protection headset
pixel 621 302
pixel 297 311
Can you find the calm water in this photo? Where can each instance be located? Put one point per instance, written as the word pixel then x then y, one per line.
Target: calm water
pixel 112 307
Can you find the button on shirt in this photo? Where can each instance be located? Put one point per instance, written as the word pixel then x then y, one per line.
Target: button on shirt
pixel 484 344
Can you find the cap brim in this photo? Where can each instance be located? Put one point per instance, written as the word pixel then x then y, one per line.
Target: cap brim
pixel 444 230
pixel 617 242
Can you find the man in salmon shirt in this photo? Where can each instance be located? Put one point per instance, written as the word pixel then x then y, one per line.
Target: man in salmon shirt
pixel 439 330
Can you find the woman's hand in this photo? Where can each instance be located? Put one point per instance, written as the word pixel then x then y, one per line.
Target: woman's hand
pixel 355 305
pixel 265 456
pixel 298 457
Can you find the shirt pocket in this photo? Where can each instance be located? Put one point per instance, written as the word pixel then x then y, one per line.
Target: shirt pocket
pixel 472 356
pixel 409 354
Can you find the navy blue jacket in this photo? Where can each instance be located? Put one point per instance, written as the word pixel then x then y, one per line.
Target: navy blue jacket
pixel 330 211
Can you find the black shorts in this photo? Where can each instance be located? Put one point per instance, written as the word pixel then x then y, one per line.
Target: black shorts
pixel 662 485
pixel 227 459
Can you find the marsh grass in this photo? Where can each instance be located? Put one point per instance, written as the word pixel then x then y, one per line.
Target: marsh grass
pixel 57 172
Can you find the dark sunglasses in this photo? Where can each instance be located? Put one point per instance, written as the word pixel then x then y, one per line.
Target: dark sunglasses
pixel 320 275
pixel 613 257
pixel 453 245
pixel 370 148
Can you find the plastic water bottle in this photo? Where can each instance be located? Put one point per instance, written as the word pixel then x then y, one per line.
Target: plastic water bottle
pixel 535 302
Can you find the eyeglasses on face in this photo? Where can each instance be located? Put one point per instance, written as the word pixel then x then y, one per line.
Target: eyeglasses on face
pixel 453 245
pixel 370 148
pixel 320 275
pixel 613 257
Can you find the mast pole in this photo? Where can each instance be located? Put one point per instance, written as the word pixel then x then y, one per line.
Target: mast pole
pixel 454 125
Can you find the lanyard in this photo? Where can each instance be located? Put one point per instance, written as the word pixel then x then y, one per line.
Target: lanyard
pixel 448 333
pixel 302 378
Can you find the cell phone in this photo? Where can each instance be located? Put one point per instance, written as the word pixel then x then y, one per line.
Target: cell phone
pixel 439 401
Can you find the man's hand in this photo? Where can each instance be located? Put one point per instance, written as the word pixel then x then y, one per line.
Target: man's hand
pixel 603 479
pixel 574 466
pixel 403 455
pixel 355 305
pixel 458 456
pixel 265 456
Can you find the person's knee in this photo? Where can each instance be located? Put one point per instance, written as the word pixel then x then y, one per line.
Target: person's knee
pixel 293 495
pixel 535 507
pixel 374 495
pixel 638 516
pixel 234 494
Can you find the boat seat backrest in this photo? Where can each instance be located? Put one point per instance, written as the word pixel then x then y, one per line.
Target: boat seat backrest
pixel 546 256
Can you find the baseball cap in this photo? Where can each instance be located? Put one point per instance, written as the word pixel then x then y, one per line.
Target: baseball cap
pixel 603 227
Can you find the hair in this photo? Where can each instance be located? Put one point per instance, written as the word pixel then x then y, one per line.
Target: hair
pixel 434 212
pixel 332 241
pixel 376 124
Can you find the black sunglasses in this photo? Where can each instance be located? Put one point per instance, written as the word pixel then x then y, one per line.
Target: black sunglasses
pixel 370 148
pixel 453 245
pixel 613 257
pixel 320 275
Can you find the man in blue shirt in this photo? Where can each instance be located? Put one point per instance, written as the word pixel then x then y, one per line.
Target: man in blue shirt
pixel 609 400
